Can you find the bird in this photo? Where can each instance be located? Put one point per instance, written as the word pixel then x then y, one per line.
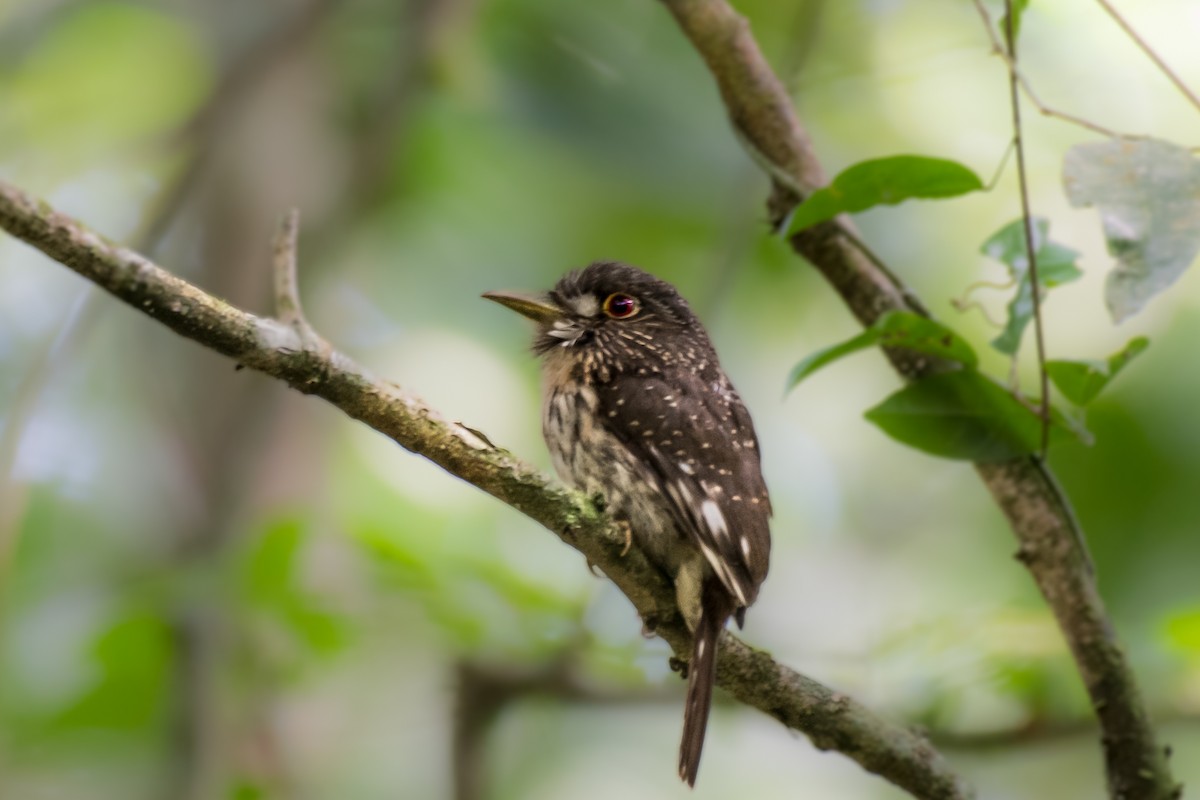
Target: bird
pixel 636 408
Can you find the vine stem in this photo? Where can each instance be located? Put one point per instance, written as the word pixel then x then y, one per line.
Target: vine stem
pixel 1014 86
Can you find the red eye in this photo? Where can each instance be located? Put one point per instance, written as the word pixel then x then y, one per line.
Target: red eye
pixel 620 306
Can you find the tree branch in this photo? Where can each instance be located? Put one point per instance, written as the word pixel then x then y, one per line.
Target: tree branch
pixel 1051 545
pixel 830 719
pixel 288 309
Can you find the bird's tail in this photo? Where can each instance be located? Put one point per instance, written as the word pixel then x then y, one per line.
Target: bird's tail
pixel 716 606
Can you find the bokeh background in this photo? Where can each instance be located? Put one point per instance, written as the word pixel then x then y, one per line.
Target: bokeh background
pixel 213 587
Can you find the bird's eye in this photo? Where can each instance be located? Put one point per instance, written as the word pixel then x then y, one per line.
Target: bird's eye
pixel 620 306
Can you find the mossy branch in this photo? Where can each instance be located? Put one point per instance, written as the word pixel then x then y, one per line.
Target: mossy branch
pixel 292 352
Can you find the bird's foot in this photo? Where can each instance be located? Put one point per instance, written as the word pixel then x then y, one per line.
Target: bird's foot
pixel 678 665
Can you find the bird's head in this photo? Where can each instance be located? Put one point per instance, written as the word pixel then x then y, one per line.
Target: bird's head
pixel 613 313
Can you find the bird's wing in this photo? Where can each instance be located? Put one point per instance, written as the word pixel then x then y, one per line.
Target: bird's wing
pixel 694 433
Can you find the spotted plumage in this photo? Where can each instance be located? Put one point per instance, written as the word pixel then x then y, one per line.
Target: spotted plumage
pixel 637 408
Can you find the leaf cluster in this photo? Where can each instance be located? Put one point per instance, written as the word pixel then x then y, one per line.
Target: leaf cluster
pixel 1146 193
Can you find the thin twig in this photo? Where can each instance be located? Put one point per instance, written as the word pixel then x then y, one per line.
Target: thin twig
pixel 287 288
pixel 995 179
pixel 1010 39
pixel 830 719
pixel 999 49
pixel 1150 52
pixel 1037 731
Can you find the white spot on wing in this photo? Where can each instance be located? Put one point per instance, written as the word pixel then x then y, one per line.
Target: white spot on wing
pixel 722 569
pixel 745 547
pixel 714 519
pixel 684 492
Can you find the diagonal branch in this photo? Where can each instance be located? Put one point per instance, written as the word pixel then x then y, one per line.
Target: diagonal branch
pixel 1151 53
pixel 1051 544
pixel 830 719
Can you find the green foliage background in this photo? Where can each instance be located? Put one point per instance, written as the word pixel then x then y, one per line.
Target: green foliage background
pixel 213 587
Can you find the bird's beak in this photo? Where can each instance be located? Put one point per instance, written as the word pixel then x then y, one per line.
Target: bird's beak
pixel 538 307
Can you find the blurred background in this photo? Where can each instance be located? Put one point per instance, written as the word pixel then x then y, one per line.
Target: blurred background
pixel 213 587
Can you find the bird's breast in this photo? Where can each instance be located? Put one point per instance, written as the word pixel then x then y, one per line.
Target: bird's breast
pixel 591 458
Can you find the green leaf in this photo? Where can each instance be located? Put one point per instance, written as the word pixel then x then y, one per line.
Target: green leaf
pixel 1080 381
pixel 1148 194
pixel 274 589
pixel 109 71
pixel 893 329
pixel 132 663
pixel 963 415
pixel 814 361
pixel 246 789
pixel 1056 266
pixel 270 566
pixel 324 632
pixel 885 181
pixel 1183 631
pixel 924 335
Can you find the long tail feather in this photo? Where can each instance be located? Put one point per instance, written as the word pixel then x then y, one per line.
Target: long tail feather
pixel 702 673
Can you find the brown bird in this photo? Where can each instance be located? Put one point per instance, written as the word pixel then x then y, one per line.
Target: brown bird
pixel 637 408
